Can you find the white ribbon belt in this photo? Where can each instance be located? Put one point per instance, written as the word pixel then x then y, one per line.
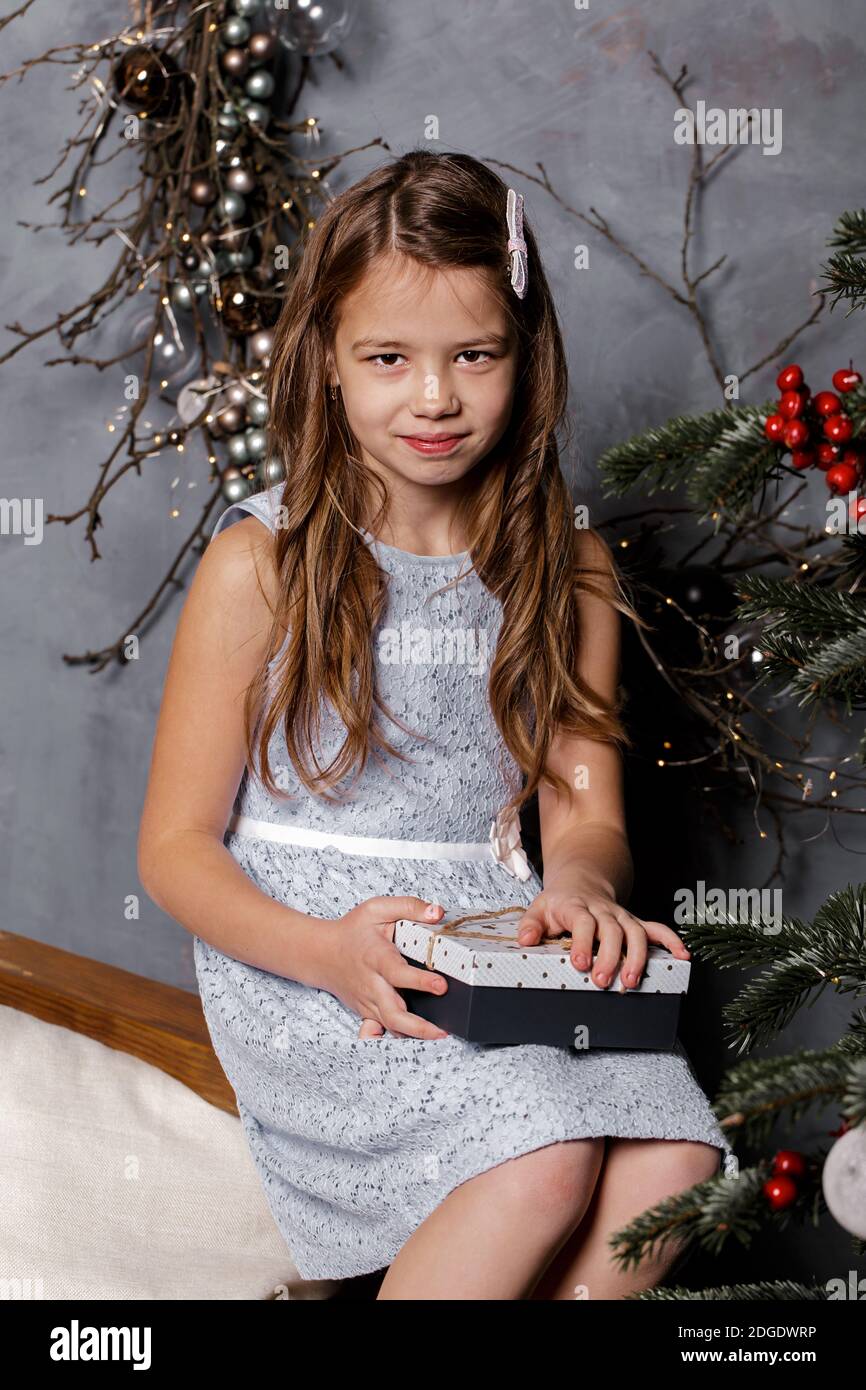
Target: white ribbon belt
pixel 501 846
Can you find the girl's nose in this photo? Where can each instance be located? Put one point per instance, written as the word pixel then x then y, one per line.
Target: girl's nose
pixel 432 395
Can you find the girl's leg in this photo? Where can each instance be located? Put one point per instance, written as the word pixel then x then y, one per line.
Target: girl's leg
pixel 636 1175
pixel 493 1236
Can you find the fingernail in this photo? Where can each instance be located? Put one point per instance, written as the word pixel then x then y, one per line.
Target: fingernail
pixel 601 979
pixel 432 910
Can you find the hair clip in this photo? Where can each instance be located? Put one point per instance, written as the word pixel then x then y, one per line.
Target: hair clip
pixel 516 243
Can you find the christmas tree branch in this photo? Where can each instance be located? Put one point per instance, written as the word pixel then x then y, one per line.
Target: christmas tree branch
pixel 767 1291
pixel 758 1092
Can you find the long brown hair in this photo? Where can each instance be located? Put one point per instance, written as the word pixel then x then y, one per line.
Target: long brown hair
pixel 439 210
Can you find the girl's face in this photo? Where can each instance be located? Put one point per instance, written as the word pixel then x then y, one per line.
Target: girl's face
pixel 420 352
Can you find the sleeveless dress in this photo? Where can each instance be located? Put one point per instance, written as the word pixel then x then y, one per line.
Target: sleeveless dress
pixel 356 1141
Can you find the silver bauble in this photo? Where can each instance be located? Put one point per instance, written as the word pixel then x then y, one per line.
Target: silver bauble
pixel 272 472
pixel 182 296
pixel 235 487
pixel 237 449
pixel 257 411
pixel 259 85
pixel 236 394
pixel 241 260
pixel 228 118
pixel 231 207
pixel 257 443
pixel 235 32
pixel 246 8
pixel 844 1180
pixel 262 343
pixel 255 112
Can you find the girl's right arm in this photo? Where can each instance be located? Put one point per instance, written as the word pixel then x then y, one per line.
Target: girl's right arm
pixel 198 759
pixel 196 766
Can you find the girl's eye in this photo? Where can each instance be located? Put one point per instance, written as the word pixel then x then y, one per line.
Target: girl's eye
pixel 476 352
pixel 380 357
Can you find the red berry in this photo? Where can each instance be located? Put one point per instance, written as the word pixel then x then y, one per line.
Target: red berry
pixel 795 433
pixel 827 403
pixel 803 458
pixel 790 1163
pixel 854 457
pixel 838 428
pixel 841 478
pixel 827 455
pixel 780 1192
pixel 791 404
pixel 790 378
pixel 774 426
pixel 846 379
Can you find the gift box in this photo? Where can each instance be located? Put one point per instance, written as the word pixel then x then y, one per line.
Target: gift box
pixel 500 991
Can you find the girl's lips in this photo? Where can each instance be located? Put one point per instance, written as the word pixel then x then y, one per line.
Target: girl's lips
pixel 442 445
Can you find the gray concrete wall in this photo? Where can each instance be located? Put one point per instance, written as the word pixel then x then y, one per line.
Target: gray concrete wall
pixel 515 82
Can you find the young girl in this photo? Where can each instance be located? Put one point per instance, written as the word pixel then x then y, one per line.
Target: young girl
pixel 389 684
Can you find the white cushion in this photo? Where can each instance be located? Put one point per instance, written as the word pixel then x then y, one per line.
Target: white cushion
pixel 119 1182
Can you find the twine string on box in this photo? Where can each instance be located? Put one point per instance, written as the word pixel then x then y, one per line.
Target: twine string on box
pixel 451 927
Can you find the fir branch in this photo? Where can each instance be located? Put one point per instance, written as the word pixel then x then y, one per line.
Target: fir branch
pixel 760 1091
pixel 733 472
pixel 727 940
pixel 792 603
pixel 854 555
pixel 782 1291
pixel 709 1213
pixel 845 272
pixel 821 671
pixel 722 457
pixel 766 1005
pixel 715 1211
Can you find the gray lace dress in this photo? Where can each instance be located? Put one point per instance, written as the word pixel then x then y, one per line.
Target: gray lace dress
pixel 356 1140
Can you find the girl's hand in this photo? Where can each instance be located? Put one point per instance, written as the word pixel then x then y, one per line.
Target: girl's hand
pixel 590 912
pixel 364 969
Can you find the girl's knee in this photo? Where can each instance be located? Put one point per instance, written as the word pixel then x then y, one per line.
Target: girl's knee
pixel 558 1178
pixel 689 1162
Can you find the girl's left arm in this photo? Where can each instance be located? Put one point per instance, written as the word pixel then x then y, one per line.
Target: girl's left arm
pixel 588 871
